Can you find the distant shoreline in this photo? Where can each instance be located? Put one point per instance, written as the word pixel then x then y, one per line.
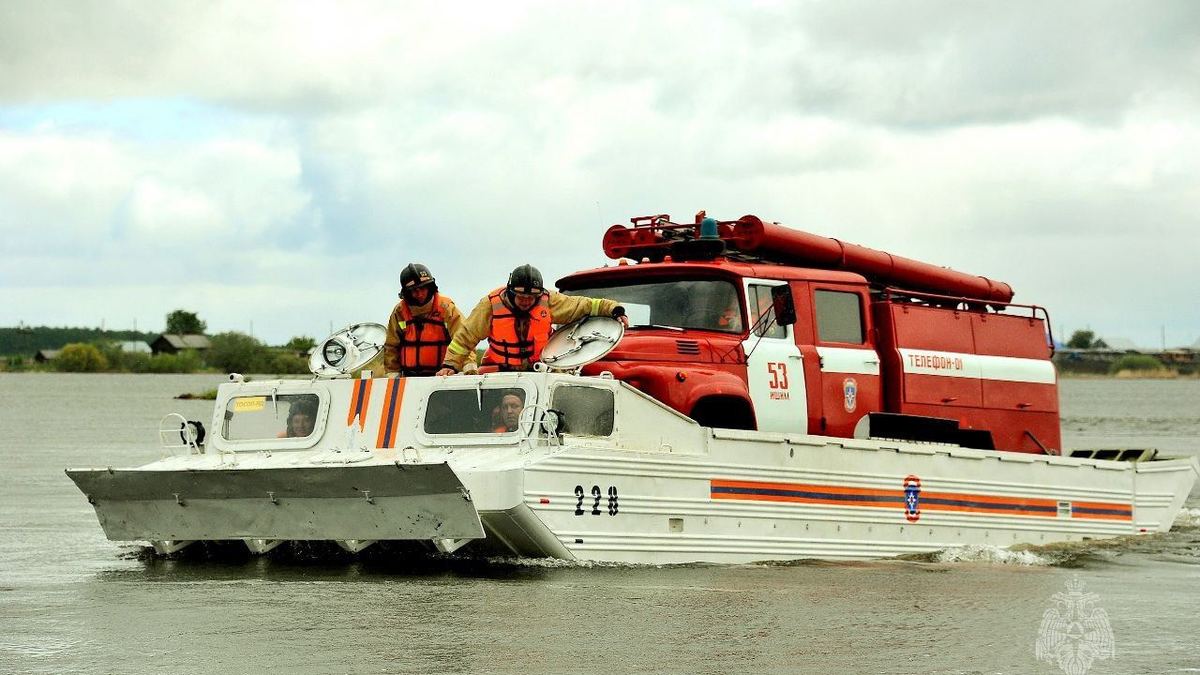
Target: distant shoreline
pixel 1129 375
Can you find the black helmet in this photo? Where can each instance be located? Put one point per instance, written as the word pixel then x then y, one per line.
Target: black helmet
pixel 525 279
pixel 416 275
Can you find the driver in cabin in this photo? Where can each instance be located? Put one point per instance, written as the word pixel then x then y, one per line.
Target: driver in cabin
pixel 302 418
pixel 506 415
pixel 730 319
pixel 517 320
pixel 420 326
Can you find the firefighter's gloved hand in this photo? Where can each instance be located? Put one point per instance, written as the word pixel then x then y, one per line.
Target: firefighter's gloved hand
pixel 470 368
pixel 618 313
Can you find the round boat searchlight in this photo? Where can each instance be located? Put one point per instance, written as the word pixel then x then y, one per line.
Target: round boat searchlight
pixel 576 345
pixel 347 350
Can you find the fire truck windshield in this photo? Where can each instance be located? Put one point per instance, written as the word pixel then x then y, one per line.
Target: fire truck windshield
pixel 701 304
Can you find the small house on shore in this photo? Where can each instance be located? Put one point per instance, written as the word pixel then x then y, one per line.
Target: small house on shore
pixel 134 347
pixel 45 355
pixel 173 343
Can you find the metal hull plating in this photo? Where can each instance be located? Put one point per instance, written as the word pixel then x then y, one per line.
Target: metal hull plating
pixel 657 489
pixel 351 502
pixel 769 497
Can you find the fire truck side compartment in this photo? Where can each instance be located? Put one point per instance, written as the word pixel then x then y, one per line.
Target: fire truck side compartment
pixel 984 393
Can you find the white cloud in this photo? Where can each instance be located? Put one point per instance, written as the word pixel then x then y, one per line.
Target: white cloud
pixel 47 181
pixel 323 145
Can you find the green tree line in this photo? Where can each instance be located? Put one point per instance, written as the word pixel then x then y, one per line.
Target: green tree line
pixel 229 353
pixel 94 350
pixel 27 340
pixel 1133 363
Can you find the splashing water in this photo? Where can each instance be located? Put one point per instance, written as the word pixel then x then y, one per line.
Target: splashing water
pixel 995 555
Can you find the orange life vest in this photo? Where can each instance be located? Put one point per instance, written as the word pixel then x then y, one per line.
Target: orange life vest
pixel 506 348
pixel 424 339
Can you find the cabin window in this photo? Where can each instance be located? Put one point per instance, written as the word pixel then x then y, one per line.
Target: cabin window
pixel 762 312
pixel 702 304
pixel 252 418
pixel 491 410
pixel 839 317
pixel 586 411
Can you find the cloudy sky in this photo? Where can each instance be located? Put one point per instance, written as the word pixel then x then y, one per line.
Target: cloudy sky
pixel 273 166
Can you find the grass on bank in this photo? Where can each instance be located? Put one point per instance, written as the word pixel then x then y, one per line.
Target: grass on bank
pixel 206 395
pixel 1127 366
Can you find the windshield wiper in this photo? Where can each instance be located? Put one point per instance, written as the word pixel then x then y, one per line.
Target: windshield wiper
pixel 656 325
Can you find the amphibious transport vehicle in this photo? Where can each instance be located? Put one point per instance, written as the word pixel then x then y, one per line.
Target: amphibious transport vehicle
pixel 777 395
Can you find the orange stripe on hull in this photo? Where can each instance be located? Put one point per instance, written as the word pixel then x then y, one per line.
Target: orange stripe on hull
pixel 389 419
pixel 948 502
pixel 831 489
pixel 1103 516
pixel 359 401
pixel 1016 510
pixel 801 500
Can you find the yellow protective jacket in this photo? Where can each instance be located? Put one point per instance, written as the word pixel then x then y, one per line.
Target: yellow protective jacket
pixel 563 309
pixel 397 325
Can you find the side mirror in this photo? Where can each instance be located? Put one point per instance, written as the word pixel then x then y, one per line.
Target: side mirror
pixel 785 308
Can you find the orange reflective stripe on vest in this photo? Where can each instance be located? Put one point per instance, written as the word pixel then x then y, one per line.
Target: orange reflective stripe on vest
pixel 508 349
pixel 424 339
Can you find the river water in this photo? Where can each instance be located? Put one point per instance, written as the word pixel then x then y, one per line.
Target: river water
pixel 72 601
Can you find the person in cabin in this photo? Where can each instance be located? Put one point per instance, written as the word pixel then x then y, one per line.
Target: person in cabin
pixel 420 326
pixel 301 420
pixel 730 319
pixel 517 320
pixel 507 413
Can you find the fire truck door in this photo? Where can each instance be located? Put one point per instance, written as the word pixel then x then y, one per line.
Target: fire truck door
pixel 849 363
pixel 774 368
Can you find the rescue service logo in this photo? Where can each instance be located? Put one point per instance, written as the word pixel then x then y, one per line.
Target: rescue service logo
pixel 912 498
pixel 1074 633
pixel 850 394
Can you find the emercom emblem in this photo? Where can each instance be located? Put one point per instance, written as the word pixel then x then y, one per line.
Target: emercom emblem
pixel 1074 631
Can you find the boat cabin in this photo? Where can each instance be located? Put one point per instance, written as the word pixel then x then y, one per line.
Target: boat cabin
pixel 351 418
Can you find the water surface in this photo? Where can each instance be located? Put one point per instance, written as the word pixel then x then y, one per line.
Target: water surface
pixel 72 601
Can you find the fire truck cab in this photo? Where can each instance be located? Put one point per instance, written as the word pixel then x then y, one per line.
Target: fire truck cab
pixel 750 325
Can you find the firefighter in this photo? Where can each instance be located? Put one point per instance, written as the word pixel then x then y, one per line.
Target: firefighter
pixel 517 320
pixel 420 327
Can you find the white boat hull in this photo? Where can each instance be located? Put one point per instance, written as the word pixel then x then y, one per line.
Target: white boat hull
pixel 658 489
pixel 762 498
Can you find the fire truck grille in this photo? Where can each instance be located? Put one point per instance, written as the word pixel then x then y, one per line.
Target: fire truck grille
pixel 689 347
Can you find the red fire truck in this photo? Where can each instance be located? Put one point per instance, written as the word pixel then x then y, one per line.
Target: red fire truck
pixel 748 324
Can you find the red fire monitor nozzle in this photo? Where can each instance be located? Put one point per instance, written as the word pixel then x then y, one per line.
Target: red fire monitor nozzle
pixel 775 243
